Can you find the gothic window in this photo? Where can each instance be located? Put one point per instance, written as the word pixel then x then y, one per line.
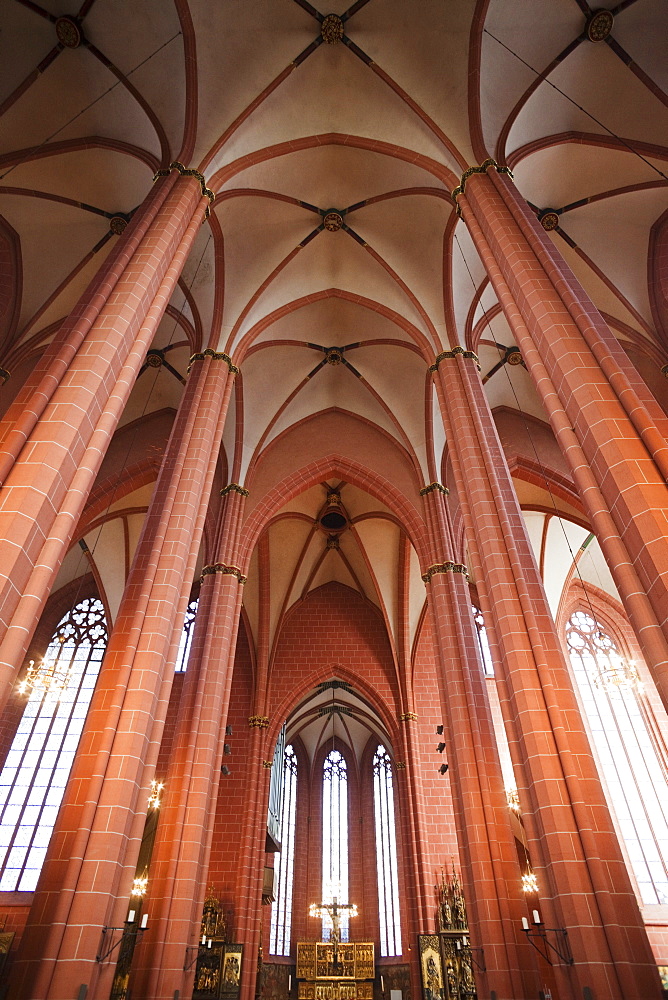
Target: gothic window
pixel 635 774
pixel 483 644
pixel 186 637
pixel 281 909
pixel 335 838
pixel 33 779
pixel 386 854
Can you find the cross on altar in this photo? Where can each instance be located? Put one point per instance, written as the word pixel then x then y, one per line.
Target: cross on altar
pixel 334 911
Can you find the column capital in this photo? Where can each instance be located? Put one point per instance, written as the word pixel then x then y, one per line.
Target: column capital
pixel 408 717
pixel 445 567
pixel 188 172
pixel 469 355
pixel 222 568
pixel 481 169
pixel 258 721
pixel 215 356
pixel 434 488
pixel 234 488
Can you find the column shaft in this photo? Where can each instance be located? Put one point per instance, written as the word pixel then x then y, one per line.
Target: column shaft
pixel 46 489
pixel 93 852
pixel 616 420
pixel 584 882
pixel 180 861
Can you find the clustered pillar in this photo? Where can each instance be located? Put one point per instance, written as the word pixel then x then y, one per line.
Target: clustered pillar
pixel 52 443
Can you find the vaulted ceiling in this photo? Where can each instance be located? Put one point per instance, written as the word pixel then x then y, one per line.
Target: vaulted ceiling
pixel 332 159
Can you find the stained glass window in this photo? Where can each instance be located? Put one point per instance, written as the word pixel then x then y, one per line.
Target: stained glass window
pixel 186 637
pixel 33 779
pixel 281 909
pixel 335 838
pixel 386 854
pixel 485 653
pixel 618 715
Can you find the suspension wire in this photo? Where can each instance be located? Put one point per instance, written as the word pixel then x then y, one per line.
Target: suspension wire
pixel 544 79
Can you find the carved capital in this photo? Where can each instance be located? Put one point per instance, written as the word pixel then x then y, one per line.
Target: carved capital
pixel 215 356
pixel 222 568
pixel 468 355
pixel 445 567
pixel 434 488
pixel 234 488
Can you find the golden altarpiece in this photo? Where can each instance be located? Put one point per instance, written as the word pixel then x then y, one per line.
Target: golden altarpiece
pixel 331 971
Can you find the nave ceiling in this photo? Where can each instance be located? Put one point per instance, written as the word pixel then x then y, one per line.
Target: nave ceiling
pixel 287 128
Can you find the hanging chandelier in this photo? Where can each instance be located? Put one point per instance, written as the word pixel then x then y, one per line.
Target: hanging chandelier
pixel 529 882
pixel 617 673
pixel 47 677
pixel 140 884
pixel 154 798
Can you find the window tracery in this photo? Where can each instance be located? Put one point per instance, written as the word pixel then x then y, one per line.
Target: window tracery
pixel 183 654
pixel 281 909
pixel 35 773
pixel 335 838
pixel 386 854
pixel 633 771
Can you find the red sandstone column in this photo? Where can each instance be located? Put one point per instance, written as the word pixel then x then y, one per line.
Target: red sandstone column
pixel 46 488
pixel 88 874
pixel 634 598
pixel 621 430
pixel 180 862
pixel 248 894
pixel 492 878
pixel 418 906
pixel 584 883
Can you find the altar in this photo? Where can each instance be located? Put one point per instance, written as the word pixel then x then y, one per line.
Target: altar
pixel 335 971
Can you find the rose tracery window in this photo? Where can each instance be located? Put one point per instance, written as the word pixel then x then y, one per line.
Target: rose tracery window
pixel 386 854
pixel 33 779
pixel 281 909
pixel 633 771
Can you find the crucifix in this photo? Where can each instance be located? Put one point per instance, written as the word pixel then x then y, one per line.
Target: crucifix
pixel 334 911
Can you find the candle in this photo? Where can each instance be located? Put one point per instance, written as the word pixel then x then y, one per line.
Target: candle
pixel 525 924
pixel 289 981
pixel 144 921
pixel 209 942
pixel 536 917
pixel 382 985
pixel 131 917
pixel 465 941
pixel 203 938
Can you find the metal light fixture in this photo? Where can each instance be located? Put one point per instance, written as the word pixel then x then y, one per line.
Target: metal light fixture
pixel 529 882
pixel 140 884
pixel 513 800
pixel 617 673
pixel 48 676
pixel 156 792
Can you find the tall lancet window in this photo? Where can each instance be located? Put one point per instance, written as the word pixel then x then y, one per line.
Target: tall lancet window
pixel 281 908
pixel 33 779
pixel 629 748
pixel 386 854
pixel 186 642
pixel 335 838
